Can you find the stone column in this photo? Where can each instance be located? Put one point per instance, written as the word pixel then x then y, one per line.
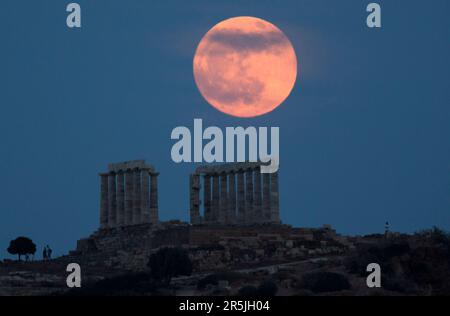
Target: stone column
pixel 266 197
pixel 136 196
pixel 240 197
pixel 128 219
pixel 249 218
pixel 274 198
pixel 194 200
pixel 103 200
pixel 215 198
pixel 154 198
pixel 145 197
pixel 257 196
pixel 207 198
pixel 112 200
pixel 232 197
pixel 223 198
pixel 120 199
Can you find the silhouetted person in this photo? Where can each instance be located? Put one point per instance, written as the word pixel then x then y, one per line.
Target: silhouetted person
pixel 49 253
pixel 45 254
pixel 386 229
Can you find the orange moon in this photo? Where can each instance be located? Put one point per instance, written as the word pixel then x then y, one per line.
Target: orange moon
pixel 245 66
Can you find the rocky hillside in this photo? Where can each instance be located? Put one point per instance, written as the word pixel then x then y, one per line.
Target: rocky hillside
pixel 416 264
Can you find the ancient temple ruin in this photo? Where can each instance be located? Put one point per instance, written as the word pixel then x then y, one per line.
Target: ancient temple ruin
pixel 239 212
pixel 235 193
pixel 128 194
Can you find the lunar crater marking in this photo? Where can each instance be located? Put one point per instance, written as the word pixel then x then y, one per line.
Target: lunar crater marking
pixel 245 67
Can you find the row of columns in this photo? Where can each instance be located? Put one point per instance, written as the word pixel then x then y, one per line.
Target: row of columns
pixel 235 197
pixel 128 197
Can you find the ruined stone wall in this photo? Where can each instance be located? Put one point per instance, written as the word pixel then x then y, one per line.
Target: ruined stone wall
pixel 128 247
pixel 213 248
pixel 209 234
pixel 210 247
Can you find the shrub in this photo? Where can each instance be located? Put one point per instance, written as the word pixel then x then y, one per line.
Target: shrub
pixel 381 254
pixel 167 263
pixel 397 284
pixel 214 247
pixel 125 284
pixel 321 282
pixel 248 290
pixel 267 288
pixel 396 249
pixel 214 278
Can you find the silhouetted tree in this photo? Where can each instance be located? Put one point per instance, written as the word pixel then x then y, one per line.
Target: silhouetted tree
pixel 22 246
pixel 167 263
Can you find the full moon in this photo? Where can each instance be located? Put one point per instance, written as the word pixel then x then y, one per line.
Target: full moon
pixel 245 66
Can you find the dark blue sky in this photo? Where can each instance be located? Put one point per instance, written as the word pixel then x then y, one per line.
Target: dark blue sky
pixel 364 134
